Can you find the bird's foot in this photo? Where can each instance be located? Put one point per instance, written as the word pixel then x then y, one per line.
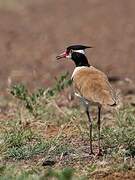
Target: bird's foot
pixel 99 153
pixel 91 153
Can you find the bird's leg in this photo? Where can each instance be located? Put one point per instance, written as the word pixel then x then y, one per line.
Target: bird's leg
pixel 98 123
pixel 90 126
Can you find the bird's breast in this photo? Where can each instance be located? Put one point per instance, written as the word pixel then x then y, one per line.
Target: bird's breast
pixel 77 70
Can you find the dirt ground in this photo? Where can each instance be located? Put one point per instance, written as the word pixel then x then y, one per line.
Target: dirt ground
pixel 33 32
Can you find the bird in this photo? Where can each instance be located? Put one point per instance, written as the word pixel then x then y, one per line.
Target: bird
pixel 91 86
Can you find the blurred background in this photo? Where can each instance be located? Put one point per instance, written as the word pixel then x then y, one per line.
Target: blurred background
pixel 33 32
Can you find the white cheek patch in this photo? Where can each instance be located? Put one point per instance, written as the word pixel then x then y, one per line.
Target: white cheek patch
pixel 79 51
pixel 69 56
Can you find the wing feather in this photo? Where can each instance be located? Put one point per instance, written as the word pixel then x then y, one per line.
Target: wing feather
pixel 94 86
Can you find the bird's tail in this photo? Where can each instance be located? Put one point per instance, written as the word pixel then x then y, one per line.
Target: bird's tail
pixel 114 104
pixel 118 100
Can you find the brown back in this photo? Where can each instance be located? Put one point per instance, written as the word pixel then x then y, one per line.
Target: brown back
pixel 93 85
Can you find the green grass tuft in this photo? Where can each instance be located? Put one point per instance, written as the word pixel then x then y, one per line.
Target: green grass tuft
pixel 120 137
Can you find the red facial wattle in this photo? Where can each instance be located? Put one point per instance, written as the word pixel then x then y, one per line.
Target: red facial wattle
pixel 63 55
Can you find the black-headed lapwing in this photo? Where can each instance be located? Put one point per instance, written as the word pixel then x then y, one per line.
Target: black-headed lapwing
pixel 90 85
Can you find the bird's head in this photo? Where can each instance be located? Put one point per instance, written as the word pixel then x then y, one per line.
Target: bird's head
pixel 72 49
pixel 76 53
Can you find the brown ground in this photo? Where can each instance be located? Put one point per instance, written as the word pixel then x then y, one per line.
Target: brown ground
pixel 33 32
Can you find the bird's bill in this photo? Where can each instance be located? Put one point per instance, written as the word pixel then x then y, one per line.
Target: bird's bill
pixel 62 55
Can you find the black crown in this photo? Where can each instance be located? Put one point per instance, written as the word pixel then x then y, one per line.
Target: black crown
pixel 77 47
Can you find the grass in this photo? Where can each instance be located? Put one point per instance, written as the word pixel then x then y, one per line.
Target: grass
pixel 37 129
pixel 24 143
pixel 120 138
pixel 12 174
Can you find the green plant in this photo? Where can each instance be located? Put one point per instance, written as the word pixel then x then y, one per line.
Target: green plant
pixel 31 101
pixel 35 101
pixel 61 82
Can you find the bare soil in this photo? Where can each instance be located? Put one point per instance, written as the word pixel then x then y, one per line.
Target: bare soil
pixel 33 32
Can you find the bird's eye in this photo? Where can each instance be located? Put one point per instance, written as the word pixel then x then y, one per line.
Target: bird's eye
pixel 71 51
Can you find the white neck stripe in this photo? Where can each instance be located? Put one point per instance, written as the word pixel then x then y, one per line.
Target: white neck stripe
pixel 79 51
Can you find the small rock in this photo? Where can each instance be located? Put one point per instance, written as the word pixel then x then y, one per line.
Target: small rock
pixel 48 163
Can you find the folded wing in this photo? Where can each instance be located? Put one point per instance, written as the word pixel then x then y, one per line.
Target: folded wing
pixel 93 85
